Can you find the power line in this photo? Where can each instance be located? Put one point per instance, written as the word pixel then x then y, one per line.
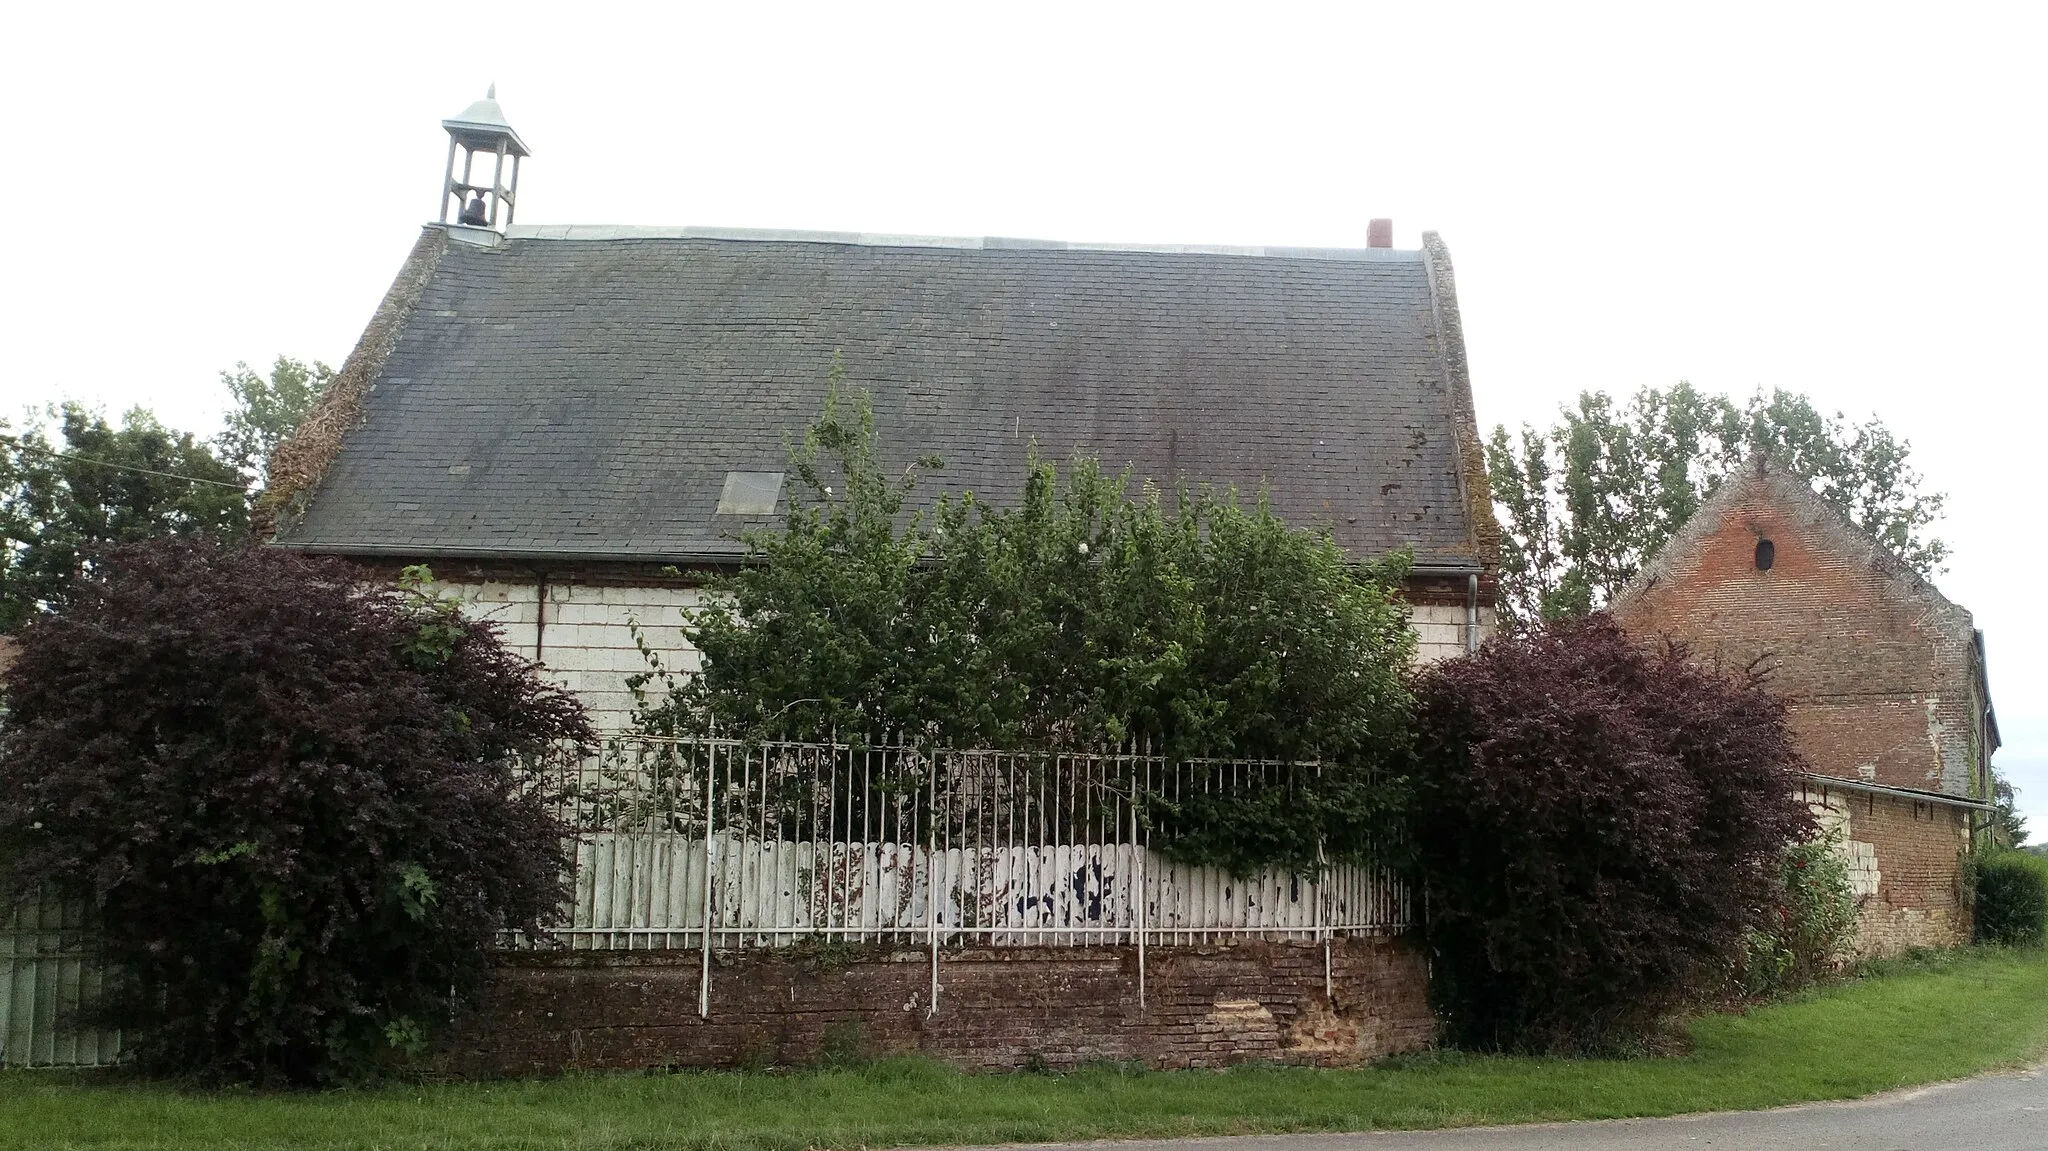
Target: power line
pixel 244 488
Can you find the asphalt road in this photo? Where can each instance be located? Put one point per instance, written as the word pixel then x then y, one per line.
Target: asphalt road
pixel 1994 1113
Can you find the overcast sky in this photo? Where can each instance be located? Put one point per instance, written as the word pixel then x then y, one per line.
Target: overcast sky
pixel 1841 200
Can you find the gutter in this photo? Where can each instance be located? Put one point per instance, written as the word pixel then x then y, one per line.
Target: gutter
pixel 1914 794
pixel 554 555
pixel 1470 570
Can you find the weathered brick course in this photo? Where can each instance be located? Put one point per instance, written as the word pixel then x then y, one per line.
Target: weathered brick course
pixel 1910 881
pixel 999 1008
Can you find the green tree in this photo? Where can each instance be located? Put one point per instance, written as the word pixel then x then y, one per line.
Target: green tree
pixel 1588 500
pixel 97 483
pixel 2008 827
pixel 267 409
pixel 1084 616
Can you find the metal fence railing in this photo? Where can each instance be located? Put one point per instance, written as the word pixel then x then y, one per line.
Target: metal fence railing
pixel 719 844
pixel 734 845
pixel 716 845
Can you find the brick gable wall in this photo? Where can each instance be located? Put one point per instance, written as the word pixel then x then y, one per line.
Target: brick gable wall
pixel 1876 669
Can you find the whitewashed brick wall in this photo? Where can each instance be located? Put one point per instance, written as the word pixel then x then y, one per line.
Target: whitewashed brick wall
pixel 1440 630
pixel 587 641
pixel 1860 857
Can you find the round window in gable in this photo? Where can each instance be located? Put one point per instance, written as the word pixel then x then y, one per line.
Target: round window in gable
pixel 1766 555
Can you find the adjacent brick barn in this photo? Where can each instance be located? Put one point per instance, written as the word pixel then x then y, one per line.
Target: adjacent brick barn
pixel 1884 676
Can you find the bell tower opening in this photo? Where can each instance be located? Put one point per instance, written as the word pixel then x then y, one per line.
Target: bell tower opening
pixel 481 130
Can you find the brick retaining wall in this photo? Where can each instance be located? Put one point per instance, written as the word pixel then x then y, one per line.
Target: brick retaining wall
pixel 999 1008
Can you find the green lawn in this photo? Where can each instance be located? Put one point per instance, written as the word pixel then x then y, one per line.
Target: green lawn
pixel 1914 1024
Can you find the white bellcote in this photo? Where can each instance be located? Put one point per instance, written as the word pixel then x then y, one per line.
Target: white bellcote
pixel 481 130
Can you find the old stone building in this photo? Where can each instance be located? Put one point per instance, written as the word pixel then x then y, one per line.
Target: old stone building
pixel 573 425
pixel 1884 677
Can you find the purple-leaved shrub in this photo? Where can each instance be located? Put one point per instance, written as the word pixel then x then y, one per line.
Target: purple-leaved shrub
pixel 1598 827
pixel 292 799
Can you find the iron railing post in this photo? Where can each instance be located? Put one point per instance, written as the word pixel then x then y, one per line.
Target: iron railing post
pixel 704 978
pixel 1138 890
pixel 1322 920
pixel 931 879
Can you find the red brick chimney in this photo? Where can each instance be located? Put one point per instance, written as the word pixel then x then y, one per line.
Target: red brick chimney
pixel 1379 234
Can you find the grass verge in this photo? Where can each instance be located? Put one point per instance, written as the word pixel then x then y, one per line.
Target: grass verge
pixel 1904 1024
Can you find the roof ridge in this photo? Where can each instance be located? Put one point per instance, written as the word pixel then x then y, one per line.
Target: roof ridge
pixel 611 232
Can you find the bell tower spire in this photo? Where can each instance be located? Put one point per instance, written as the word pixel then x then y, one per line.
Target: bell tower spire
pixel 481 129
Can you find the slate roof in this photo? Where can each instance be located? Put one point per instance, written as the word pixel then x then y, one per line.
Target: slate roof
pixel 584 393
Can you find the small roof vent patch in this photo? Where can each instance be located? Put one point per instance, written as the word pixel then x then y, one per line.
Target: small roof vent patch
pixel 750 493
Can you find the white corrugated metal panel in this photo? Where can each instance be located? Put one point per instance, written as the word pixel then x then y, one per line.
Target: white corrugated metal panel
pixel 646 890
pixel 822 841
pixel 47 974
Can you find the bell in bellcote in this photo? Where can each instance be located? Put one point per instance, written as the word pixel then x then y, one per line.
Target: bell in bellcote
pixel 481 133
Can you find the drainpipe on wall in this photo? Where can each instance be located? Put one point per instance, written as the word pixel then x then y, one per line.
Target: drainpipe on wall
pixel 540 619
pixel 1472 612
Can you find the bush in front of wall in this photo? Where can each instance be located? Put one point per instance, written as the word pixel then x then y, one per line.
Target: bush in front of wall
pixel 294 802
pixel 1088 615
pixel 2011 898
pixel 1809 932
pixel 1599 827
